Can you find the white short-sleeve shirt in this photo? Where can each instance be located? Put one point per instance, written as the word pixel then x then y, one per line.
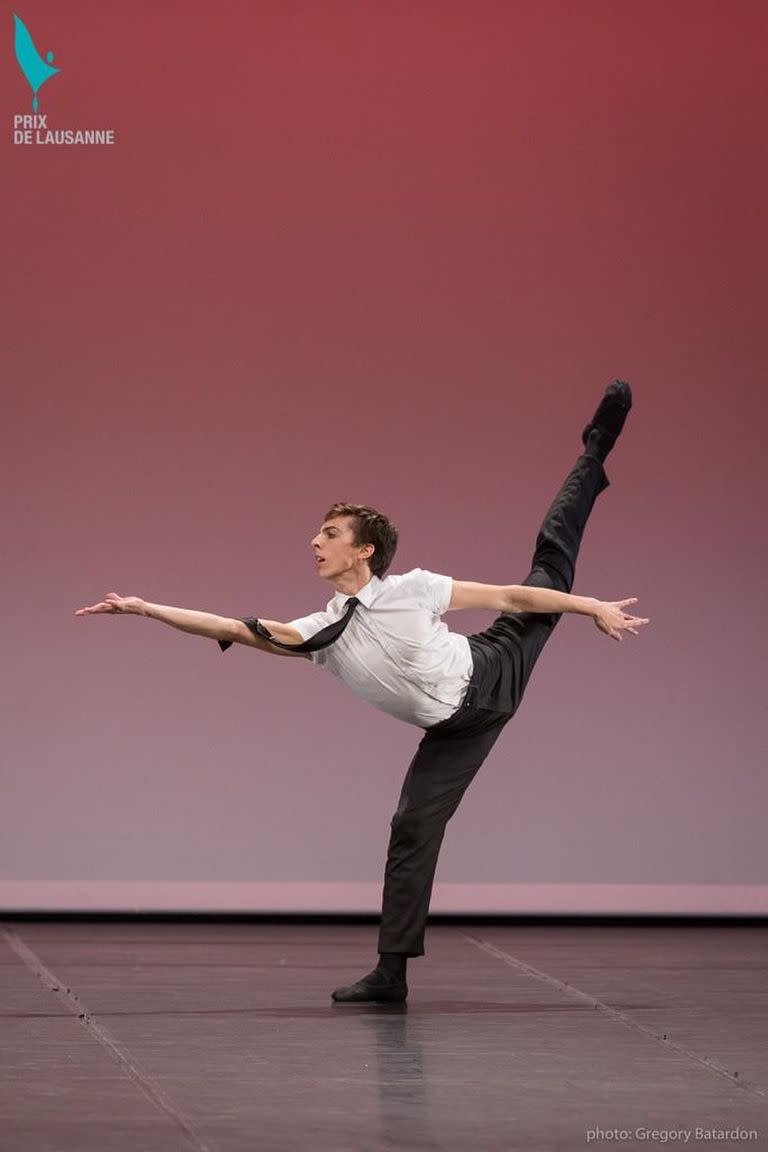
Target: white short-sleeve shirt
pixel 396 652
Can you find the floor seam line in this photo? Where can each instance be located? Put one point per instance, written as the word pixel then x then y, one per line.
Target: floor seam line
pixel 614 1013
pixel 117 1050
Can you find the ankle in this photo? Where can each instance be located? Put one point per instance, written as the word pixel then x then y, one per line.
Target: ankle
pixel 393 963
pixel 598 444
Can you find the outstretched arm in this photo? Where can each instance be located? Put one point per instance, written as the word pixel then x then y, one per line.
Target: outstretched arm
pixel 199 623
pixel 607 615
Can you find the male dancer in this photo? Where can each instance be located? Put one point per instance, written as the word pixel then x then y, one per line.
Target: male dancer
pixel 384 638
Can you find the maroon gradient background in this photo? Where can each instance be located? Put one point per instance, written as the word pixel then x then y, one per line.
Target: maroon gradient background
pixel 390 253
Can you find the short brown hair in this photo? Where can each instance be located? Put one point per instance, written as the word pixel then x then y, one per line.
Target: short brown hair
pixel 370 527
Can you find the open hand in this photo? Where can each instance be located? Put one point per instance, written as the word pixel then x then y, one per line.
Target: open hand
pixel 610 618
pixel 114 603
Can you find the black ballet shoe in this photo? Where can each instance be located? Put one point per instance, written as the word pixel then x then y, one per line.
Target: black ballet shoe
pixel 611 411
pixel 601 433
pixel 377 985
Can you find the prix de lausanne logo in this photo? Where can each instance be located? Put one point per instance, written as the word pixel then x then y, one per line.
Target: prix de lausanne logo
pixel 33 129
pixel 36 70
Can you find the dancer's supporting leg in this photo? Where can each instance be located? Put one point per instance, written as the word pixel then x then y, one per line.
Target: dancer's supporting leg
pixel 446 762
pixel 444 766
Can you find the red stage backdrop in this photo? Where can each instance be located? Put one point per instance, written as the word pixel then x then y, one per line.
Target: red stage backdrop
pixel 388 253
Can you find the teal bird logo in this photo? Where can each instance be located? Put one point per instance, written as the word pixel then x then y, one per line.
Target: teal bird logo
pixel 36 70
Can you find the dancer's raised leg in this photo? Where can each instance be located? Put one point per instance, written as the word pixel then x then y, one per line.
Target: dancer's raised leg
pixel 524 634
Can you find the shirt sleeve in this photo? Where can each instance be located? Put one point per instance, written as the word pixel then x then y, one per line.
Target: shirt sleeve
pixel 308 626
pixel 433 590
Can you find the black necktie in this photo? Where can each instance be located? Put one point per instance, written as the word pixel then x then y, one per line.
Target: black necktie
pixel 320 640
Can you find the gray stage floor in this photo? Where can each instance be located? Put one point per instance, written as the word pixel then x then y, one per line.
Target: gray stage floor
pixel 156 1036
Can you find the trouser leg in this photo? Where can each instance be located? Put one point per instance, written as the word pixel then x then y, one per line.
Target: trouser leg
pixel 524 634
pixel 438 776
pixel 561 532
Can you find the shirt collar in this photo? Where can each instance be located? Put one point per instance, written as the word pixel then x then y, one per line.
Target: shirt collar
pixel 366 595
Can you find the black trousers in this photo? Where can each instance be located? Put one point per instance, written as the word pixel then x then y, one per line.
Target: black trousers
pixel 451 752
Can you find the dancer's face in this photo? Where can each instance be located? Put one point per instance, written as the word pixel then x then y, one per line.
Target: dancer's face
pixel 336 553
